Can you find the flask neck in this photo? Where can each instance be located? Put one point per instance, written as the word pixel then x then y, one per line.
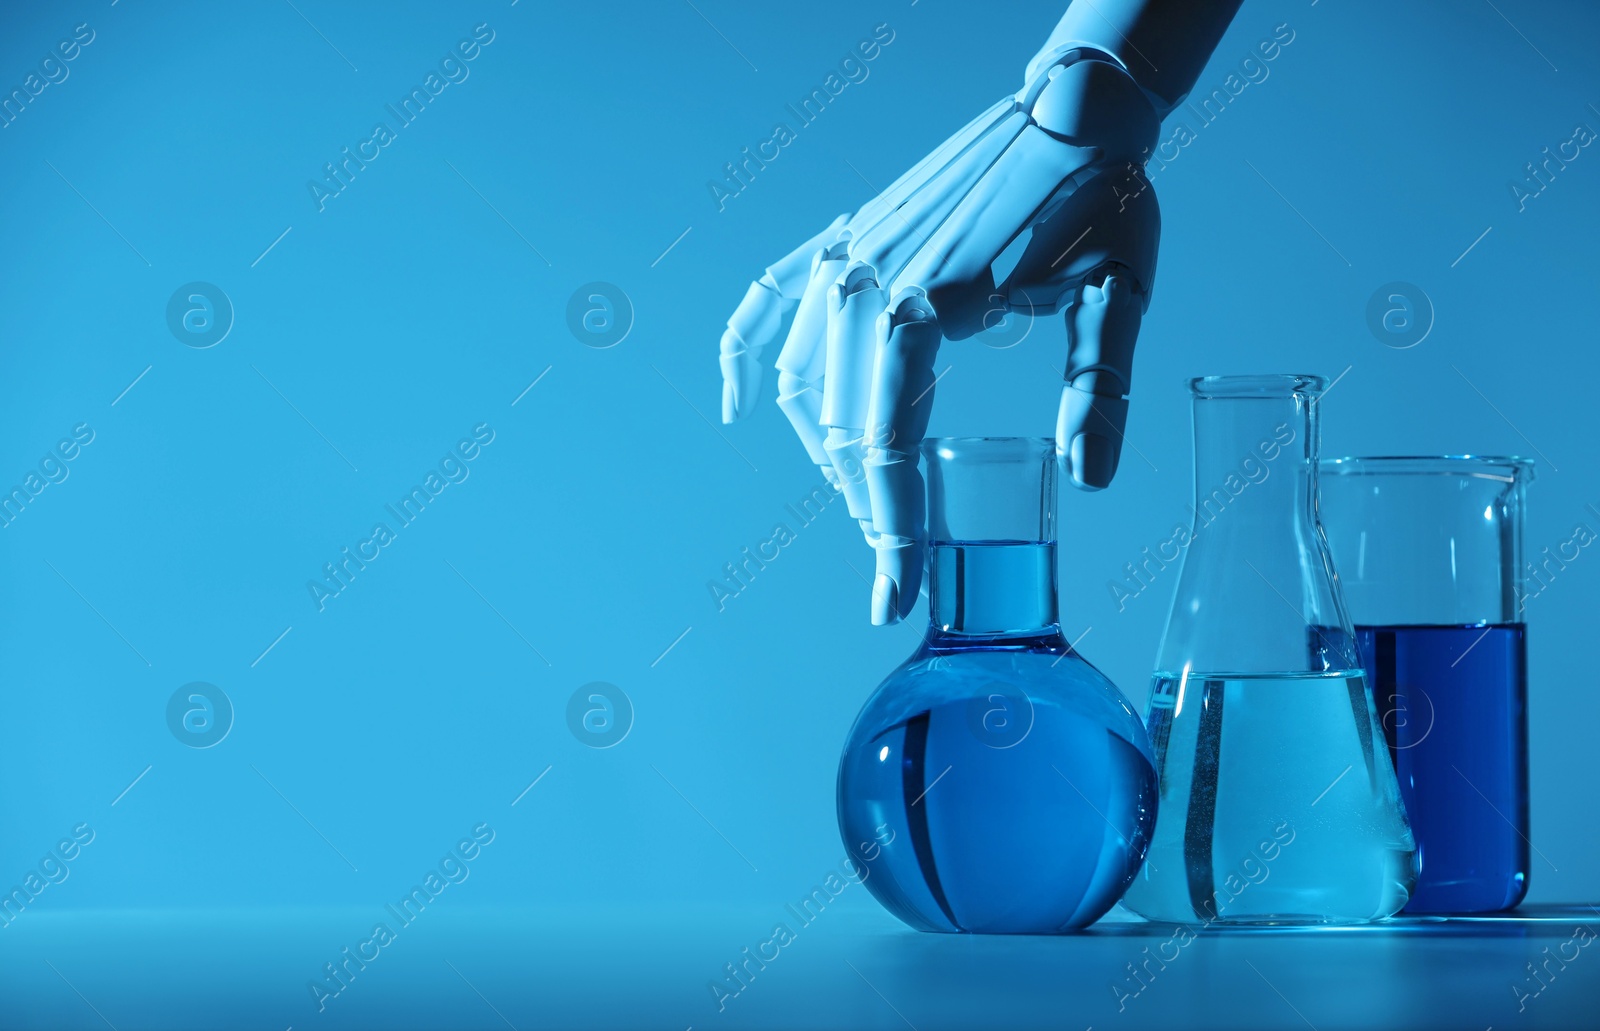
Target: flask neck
pixel 1253 455
pixel 997 593
pixel 1257 591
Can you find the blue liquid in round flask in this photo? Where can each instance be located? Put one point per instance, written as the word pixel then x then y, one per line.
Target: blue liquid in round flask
pixel 996 782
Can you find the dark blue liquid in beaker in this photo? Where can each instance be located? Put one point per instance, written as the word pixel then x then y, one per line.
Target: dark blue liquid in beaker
pixel 1453 704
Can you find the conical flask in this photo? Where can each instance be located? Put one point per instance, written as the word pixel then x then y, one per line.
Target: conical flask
pixel 1278 799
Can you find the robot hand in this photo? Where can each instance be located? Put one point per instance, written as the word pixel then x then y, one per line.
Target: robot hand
pixel 874 294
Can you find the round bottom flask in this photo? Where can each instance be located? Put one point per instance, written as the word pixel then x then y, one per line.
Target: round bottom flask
pixel 996 782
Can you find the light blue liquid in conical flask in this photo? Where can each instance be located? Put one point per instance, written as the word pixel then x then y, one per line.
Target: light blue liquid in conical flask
pixel 996 782
pixel 1284 801
pixel 1279 800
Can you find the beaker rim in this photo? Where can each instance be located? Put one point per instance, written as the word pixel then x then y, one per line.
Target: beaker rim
pixel 1499 467
pixel 1270 384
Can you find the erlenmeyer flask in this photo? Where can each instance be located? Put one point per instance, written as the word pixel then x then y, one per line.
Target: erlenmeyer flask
pixel 1279 802
pixel 995 782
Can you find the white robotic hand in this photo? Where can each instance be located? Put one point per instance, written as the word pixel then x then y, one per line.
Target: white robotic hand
pixel 874 294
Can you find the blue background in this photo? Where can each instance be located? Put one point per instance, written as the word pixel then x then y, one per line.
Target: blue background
pixel 427 296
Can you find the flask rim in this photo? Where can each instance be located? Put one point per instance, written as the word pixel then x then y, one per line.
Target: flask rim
pixel 1506 468
pixel 1259 385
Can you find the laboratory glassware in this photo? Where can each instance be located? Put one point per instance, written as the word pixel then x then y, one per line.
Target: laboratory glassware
pixel 1429 551
pixel 1279 802
pixel 996 781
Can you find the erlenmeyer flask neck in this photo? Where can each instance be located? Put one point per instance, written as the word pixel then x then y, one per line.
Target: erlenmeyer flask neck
pixel 992 547
pixel 1254 460
pixel 1257 592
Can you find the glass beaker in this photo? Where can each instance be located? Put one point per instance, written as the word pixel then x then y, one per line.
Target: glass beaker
pixel 1429 551
pixel 1279 803
pixel 995 782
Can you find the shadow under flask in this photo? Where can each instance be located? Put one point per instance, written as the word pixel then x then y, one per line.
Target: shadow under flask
pixel 1279 801
pixel 996 782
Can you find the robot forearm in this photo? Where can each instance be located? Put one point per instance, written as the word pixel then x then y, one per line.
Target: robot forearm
pixel 1163 44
